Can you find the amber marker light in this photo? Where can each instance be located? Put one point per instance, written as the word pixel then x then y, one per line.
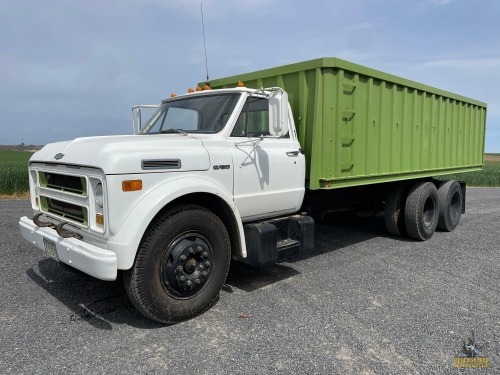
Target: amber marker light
pixel 207 87
pixel 198 88
pixel 132 185
pixel 240 84
pixel 99 219
pixel 173 95
pixel 190 90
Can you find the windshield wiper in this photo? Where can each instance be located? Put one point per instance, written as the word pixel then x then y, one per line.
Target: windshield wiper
pixel 172 130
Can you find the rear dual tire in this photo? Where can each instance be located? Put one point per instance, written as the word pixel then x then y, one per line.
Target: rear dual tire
pixel 450 205
pixel 395 210
pixel 417 213
pixel 422 211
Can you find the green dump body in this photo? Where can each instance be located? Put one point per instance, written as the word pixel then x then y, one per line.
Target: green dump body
pixel 360 126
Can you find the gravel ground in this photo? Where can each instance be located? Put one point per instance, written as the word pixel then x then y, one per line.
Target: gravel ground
pixel 360 303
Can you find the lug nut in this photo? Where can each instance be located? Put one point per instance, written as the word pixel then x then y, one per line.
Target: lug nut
pixel 179 268
pixel 189 283
pixel 200 266
pixel 197 281
pixel 205 273
pixel 205 254
pixel 207 263
pixel 191 250
pixel 183 258
pixel 182 278
pixel 199 249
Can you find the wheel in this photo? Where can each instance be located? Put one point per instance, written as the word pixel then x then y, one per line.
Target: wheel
pixel 181 265
pixel 450 205
pixel 394 210
pixel 421 211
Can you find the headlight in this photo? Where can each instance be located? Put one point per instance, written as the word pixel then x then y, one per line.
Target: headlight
pixel 99 198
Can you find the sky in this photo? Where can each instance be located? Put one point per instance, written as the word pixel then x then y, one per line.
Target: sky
pixel 75 68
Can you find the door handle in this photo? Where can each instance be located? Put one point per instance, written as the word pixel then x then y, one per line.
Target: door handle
pixel 292 153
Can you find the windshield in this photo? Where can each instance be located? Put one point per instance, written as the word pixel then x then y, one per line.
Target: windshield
pixel 200 114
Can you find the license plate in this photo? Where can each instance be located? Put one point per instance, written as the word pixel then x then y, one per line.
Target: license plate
pixel 50 248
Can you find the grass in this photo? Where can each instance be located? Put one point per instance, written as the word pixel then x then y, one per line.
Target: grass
pixel 14 173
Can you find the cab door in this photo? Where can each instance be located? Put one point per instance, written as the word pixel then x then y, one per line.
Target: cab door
pixel 268 172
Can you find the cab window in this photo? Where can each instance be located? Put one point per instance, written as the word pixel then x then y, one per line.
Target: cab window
pixel 253 120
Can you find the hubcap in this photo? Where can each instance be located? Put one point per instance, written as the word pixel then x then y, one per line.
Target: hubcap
pixel 455 207
pixel 187 265
pixel 429 212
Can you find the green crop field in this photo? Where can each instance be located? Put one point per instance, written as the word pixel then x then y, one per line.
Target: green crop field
pixel 489 176
pixel 14 172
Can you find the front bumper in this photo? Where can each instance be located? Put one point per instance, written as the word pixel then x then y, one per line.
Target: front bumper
pixel 92 260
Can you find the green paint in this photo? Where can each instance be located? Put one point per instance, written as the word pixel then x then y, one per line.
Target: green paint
pixel 360 126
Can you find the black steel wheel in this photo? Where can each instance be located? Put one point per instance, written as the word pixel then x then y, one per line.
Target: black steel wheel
pixel 180 266
pixel 450 205
pixel 421 211
pixel 394 210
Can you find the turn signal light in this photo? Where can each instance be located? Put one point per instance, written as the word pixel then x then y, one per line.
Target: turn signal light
pixel 132 185
pixel 99 219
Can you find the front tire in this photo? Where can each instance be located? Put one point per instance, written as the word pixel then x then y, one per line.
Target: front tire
pixel 181 265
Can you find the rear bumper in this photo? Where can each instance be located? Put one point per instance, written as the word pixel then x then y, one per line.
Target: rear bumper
pixel 92 260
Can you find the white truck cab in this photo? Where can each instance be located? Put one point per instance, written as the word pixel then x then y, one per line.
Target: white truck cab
pixel 211 175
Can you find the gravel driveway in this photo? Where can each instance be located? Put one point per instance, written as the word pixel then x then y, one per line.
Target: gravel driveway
pixel 360 303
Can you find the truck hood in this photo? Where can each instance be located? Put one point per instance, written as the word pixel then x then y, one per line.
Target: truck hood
pixel 126 154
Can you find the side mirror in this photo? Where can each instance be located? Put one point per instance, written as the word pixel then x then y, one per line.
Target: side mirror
pixel 137 115
pixel 278 113
pixel 136 119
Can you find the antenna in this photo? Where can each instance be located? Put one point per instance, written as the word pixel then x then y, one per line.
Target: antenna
pixel 204 42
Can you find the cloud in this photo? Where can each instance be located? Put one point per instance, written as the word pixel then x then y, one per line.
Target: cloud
pixel 465 63
pixel 362 26
pixel 440 2
pixel 210 6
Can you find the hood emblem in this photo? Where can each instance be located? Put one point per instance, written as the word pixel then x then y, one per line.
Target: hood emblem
pixel 58 156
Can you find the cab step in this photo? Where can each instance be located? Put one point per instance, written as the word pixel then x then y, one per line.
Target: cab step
pixel 274 240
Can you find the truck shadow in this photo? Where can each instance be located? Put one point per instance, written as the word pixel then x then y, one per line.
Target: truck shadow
pixel 332 234
pixel 97 302
pixel 338 231
pixel 102 303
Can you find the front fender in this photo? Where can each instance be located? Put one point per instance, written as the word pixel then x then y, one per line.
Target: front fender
pixel 126 240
